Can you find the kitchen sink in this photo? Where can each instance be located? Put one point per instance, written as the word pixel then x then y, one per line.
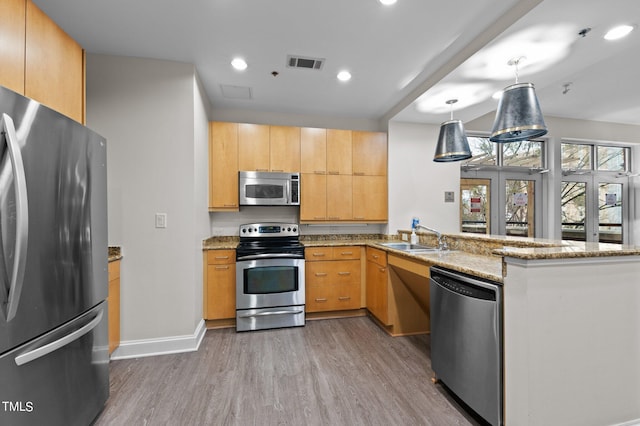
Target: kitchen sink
pixel 410 248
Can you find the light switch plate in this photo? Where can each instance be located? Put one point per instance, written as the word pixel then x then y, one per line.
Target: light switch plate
pixel 449 197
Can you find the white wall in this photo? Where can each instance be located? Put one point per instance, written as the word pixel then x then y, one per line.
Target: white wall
pixel 416 183
pixel 155 122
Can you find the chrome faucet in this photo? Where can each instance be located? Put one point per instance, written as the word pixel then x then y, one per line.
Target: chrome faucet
pixel 442 244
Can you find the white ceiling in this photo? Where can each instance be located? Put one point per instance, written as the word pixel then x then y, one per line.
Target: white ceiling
pixel 416 49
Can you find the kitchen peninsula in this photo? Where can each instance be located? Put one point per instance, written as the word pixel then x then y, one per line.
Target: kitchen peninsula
pixel 571 318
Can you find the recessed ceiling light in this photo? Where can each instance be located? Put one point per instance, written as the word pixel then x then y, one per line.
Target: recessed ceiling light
pixel 344 76
pixel 388 2
pixel 618 32
pixel 239 64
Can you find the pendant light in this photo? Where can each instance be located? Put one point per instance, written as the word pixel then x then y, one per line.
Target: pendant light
pixel 452 141
pixel 518 117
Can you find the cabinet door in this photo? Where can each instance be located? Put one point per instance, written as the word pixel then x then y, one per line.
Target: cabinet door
pixel 369 153
pixel 377 299
pixel 223 166
pixel 313 150
pixel 339 152
pixel 221 292
pixel 339 197
pixel 313 197
pixel 370 198
pixel 54 65
pixel 317 286
pixel 12 44
pixel 253 147
pixel 284 142
pixel 113 303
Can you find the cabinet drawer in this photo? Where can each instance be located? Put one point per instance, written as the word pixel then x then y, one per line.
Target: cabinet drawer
pixel 220 257
pixel 318 253
pixel 333 285
pixel 377 256
pixel 346 252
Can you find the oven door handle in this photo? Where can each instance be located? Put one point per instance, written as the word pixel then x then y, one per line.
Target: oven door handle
pixel 269 313
pixel 270 256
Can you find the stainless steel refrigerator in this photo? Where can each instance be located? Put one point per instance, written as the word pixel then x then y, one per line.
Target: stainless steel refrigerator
pixel 54 360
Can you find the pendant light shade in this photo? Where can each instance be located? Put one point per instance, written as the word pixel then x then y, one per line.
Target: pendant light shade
pixel 518 117
pixel 452 141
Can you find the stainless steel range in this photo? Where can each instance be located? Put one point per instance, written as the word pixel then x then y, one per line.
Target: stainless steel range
pixel 270 290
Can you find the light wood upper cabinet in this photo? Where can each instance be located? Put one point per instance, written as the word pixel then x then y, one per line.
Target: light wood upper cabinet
pixel 284 151
pixel 223 166
pixel 313 150
pixel 313 197
pixel 12 44
pixel 370 200
pixel 339 197
pixel 253 147
pixel 369 153
pixel 54 65
pixel 339 152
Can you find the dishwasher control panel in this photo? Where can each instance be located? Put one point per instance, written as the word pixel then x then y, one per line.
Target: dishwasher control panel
pixel 464 287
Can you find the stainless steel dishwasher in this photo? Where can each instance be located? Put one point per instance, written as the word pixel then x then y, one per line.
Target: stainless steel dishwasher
pixel 466 339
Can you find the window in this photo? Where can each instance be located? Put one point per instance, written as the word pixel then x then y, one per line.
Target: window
pixel 510 172
pixel 594 192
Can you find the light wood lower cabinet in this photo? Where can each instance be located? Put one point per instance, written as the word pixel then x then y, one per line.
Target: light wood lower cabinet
pixel 378 285
pixel 113 302
pixel 219 284
pixel 332 278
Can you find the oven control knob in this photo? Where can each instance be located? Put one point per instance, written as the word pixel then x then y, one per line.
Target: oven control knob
pixel 294 229
pixel 244 230
pixel 289 229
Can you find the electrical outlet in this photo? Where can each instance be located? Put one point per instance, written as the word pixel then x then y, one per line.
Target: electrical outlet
pixel 161 220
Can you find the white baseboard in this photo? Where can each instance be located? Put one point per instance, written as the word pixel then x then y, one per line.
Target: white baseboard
pixel 163 346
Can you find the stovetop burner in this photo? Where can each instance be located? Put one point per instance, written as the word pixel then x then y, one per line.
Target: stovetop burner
pixel 269 240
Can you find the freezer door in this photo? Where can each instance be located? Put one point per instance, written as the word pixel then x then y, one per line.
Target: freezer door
pixel 53 220
pixel 61 378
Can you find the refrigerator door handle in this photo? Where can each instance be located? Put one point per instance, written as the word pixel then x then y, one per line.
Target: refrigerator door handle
pixel 57 344
pixel 22 216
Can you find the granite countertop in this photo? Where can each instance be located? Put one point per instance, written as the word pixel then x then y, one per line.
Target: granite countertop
pixel 115 253
pixel 475 254
pixel 568 250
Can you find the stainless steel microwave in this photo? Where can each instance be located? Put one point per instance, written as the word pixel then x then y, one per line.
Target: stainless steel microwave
pixel 269 189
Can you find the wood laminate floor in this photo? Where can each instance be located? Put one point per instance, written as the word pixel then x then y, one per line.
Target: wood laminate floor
pixel 330 372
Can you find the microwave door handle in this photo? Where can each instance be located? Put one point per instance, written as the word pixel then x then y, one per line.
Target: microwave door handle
pixel 22 216
pixel 287 191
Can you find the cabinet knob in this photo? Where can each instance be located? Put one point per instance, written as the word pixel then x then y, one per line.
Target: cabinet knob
pixel 222 267
pixel 320 274
pixel 344 298
pixel 318 254
pixel 321 299
pixel 344 273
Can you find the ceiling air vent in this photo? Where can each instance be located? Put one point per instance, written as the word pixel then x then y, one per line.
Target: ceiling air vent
pixel 235 92
pixel 305 62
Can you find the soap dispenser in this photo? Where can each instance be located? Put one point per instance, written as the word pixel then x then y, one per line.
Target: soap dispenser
pixel 414 224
